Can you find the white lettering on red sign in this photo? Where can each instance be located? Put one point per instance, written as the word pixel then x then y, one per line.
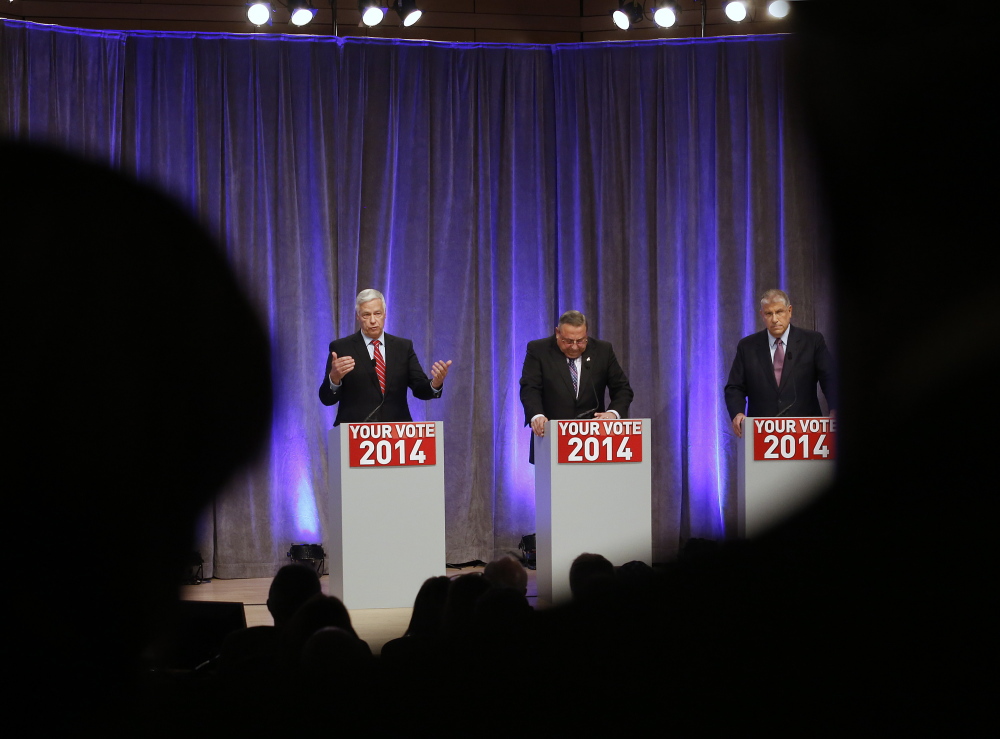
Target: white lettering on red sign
pixel 391 444
pixel 794 438
pixel 614 441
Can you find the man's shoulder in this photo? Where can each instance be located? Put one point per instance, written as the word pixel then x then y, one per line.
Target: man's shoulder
pixel 540 345
pixel 393 339
pixel 805 333
pixel 759 336
pixel 599 344
pixel 351 338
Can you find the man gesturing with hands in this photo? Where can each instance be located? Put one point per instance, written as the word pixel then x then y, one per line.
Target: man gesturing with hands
pixel 368 373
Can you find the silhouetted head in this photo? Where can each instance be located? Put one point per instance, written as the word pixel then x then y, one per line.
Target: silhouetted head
pixel 291 587
pixel 428 607
pixel 590 573
pixel 463 593
pixel 507 572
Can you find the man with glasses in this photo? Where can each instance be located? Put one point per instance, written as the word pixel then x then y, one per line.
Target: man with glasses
pixel 565 377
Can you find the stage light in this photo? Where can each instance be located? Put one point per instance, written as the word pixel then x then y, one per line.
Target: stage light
pixel 259 13
pixel 407 11
pixel 778 8
pixel 665 15
pixel 311 555
pixel 302 12
pixel 736 11
pixel 195 570
pixel 629 12
pixel 371 14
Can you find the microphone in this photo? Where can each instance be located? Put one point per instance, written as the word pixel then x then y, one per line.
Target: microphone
pixel 377 409
pixel 593 390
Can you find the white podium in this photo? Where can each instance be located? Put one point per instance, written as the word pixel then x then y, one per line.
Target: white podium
pixel 385 514
pixel 783 464
pixel 597 499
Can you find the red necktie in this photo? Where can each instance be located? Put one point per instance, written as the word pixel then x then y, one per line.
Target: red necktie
pixel 379 366
pixel 779 360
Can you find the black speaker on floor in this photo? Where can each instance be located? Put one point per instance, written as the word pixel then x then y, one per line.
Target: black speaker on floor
pixel 198 633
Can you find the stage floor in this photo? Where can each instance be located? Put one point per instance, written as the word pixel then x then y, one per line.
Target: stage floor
pixel 375 625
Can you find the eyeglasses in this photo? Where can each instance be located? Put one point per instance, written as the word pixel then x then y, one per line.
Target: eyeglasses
pixel 574 342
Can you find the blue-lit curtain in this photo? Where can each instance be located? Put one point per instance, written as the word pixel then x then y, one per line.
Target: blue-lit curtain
pixel 657 186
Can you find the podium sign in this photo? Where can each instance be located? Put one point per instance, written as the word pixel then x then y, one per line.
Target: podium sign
pixel 392 444
pixel 592 494
pixel 600 441
pixel 783 463
pixel 385 512
pixel 794 438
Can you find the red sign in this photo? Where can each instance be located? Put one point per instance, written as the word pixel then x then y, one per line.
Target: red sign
pixel 391 444
pixel 794 438
pixel 599 441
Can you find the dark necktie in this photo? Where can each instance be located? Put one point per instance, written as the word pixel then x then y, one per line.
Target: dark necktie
pixel 379 366
pixel 573 374
pixel 779 360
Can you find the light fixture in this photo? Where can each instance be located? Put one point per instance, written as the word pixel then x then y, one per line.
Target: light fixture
pixel 665 14
pixel 371 13
pixel 736 11
pixel 259 12
pixel 778 8
pixel 407 11
pixel 302 12
pixel 312 555
pixel 629 12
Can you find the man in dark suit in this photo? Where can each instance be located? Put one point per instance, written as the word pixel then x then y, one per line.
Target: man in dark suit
pixel 776 370
pixel 368 372
pixel 565 376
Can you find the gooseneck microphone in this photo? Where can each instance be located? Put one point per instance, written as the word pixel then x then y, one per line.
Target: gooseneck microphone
pixel 597 403
pixel 377 409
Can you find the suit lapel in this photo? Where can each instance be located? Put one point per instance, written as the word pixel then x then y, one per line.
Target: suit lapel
pixel 393 358
pixel 791 355
pixel 563 367
pixel 764 355
pixel 364 362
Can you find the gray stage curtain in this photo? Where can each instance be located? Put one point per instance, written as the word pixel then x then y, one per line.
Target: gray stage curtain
pixel 657 186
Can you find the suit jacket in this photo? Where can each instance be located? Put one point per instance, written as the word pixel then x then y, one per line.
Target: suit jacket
pixel 752 390
pixel 547 388
pixel 359 392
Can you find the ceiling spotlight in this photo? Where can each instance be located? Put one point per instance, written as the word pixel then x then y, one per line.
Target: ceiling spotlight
pixel 371 14
pixel 736 11
pixel 665 14
pixel 301 11
pixel 259 13
pixel 407 11
pixel 629 12
pixel 778 8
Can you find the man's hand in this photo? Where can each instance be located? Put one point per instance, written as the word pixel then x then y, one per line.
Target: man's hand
pixel 738 424
pixel 438 372
pixel 538 425
pixel 606 414
pixel 339 367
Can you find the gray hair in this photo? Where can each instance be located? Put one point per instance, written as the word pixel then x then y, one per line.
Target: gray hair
pixel 773 295
pixel 366 296
pixel 573 318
